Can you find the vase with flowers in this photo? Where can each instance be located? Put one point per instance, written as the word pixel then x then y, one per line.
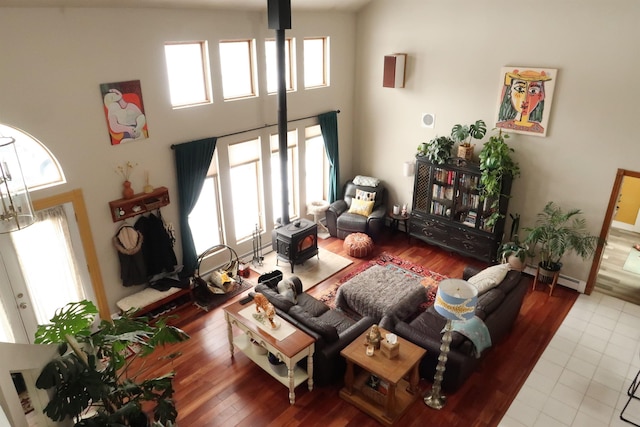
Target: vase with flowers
pixel 125 172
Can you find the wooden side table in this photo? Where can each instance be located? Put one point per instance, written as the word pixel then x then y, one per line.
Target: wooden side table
pixel 395 222
pixel 290 350
pixel 386 408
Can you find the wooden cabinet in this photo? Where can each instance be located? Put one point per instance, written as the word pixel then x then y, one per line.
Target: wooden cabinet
pixel 140 203
pixel 447 210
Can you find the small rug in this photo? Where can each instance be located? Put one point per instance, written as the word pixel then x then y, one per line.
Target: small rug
pixel 632 264
pixel 311 272
pixel 207 300
pixel 402 268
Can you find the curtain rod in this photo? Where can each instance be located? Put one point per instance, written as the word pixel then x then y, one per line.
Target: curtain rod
pixel 269 125
pixel 263 126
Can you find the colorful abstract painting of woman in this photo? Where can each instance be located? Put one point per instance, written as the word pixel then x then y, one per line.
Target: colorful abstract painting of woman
pixel 525 100
pixel 124 111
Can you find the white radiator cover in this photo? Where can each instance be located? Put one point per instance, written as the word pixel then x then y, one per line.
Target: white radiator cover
pixel 566 281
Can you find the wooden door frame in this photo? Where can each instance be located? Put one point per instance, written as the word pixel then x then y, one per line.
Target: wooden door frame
pixel 76 198
pixel 606 224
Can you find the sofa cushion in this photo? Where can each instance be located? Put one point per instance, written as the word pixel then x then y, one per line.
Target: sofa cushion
pixel 490 277
pixel 511 281
pixel 489 302
pixel 361 207
pixel 367 181
pixel 311 305
pixel 287 289
pixel 431 324
pixel 337 319
pixel 318 325
pixel 368 196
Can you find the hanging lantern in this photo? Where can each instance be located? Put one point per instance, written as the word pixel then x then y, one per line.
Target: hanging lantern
pixel 17 210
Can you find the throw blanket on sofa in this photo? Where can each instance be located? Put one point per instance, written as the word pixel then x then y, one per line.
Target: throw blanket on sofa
pixel 476 331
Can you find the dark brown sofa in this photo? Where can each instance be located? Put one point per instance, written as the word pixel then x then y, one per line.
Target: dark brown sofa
pixel 498 308
pixel 332 329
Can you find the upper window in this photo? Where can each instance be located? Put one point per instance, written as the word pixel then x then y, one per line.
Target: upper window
pixel 39 167
pixel 237 63
pixel 316 62
pixel 188 71
pixel 272 65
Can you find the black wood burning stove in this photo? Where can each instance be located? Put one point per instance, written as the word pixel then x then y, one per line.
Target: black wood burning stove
pixel 296 242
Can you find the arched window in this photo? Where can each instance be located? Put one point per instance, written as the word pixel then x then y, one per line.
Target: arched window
pixel 40 168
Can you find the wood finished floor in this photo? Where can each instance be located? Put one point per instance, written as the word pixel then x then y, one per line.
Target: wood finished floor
pixel 612 279
pixel 212 389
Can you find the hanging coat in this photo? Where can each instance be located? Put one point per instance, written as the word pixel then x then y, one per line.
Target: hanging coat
pixel 157 247
pixel 129 243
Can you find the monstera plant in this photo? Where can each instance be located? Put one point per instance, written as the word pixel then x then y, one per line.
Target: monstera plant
pixel 98 378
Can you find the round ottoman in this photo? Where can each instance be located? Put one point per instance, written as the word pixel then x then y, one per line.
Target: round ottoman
pixel 358 245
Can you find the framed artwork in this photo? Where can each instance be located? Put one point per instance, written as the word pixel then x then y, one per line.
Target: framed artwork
pixel 124 111
pixel 524 104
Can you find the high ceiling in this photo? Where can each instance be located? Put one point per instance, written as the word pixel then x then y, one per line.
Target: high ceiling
pixel 346 5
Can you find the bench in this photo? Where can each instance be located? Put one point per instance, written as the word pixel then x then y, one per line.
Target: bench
pixel 150 299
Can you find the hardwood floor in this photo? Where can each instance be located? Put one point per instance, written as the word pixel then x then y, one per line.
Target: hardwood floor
pixel 212 389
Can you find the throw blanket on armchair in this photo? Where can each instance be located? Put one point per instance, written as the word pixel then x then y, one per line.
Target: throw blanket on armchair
pixel 476 331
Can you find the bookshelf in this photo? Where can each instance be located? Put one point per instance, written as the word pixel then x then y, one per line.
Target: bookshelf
pixel 448 211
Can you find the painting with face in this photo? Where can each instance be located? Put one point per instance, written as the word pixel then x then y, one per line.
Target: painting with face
pixel 525 98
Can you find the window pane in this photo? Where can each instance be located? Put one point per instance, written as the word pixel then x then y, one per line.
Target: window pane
pixel 236 62
pixel 204 219
pixel 316 165
pixel 39 167
pixel 292 175
pixel 272 66
pixel 188 73
pixel 246 199
pixel 316 69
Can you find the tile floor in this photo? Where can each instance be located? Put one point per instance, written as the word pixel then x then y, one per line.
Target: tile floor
pixel 581 379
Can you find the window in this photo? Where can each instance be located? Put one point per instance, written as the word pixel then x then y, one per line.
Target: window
pixel 204 219
pixel 188 71
pixel 272 65
pixel 316 62
pixel 39 167
pixel 245 173
pixel 237 67
pixel 292 175
pixel 316 166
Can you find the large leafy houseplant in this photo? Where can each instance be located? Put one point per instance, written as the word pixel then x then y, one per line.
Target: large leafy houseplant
pixel 464 133
pixel 438 150
pixel 514 248
pixel 101 374
pixel 496 164
pixel 557 232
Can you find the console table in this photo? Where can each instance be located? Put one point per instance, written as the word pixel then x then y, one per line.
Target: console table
pixel 387 409
pixel 290 350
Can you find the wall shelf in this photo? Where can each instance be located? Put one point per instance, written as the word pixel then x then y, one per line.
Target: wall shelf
pixel 140 203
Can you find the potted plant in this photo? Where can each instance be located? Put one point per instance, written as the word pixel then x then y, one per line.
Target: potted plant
pixel 556 233
pixel 496 164
pixel 438 150
pixel 100 381
pixel 463 134
pixel 514 252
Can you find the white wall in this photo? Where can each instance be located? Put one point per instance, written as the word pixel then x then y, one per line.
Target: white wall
pixel 53 61
pixel 455 51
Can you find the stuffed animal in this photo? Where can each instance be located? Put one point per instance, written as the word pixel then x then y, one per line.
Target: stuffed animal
pixel 262 303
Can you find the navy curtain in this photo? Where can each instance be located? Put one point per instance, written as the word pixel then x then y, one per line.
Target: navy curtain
pixel 192 163
pixel 329 128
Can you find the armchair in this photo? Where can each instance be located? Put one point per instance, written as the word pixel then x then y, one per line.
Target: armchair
pixel 341 222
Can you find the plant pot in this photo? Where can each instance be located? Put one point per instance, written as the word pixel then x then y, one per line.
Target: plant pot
pixel 466 152
pixel 515 263
pixel 547 274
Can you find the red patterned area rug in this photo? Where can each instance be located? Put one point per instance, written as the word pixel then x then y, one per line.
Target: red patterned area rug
pixel 403 267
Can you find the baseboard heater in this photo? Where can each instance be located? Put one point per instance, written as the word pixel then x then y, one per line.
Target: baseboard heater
pixel 566 281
